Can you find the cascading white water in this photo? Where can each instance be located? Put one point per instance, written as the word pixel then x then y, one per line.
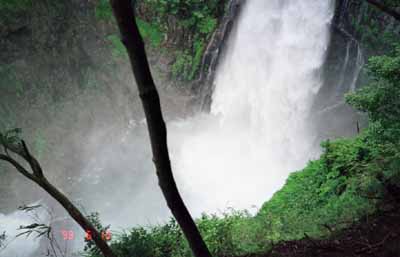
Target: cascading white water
pixel 257 131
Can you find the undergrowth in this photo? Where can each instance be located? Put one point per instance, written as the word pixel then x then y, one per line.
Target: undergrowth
pixel 347 183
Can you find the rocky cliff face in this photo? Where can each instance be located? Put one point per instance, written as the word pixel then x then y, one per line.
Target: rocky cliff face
pixel 214 52
pixel 62 76
pixel 63 80
pixel 47 53
pixel 359 31
pixel 66 81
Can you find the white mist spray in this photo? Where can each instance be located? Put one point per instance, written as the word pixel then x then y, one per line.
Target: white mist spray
pixel 257 131
pixel 240 153
pixel 22 246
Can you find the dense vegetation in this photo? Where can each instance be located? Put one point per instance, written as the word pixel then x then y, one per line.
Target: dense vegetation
pixel 58 56
pixel 377 33
pixel 348 182
pixel 181 27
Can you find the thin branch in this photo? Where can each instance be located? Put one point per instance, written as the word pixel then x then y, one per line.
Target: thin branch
pixel 374 246
pixel 37 176
pixel 35 166
pixel 19 167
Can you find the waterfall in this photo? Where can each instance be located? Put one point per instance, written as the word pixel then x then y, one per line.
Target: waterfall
pixel 357 70
pixel 257 131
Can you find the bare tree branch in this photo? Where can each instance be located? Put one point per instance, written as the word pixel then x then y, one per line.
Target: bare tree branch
pixel 16 165
pixel 385 9
pixel 133 42
pixel 35 166
pixel 37 176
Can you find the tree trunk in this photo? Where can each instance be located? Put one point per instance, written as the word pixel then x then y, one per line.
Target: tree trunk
pixel 124 13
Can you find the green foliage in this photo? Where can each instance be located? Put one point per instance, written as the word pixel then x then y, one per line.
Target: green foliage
pixel 103 10
pixel 206 26
pixel 182 65
pixel 380 101
pixel 118 49
pixel 90 247
pixel 352 174
pixel 380 98
pixel 327 192
pixel 196 15
pixel 198 55
pixel 346 183
pixel 186 66
pixel 195 19
pixel 142 242
pixel 375 30
pixel 218 233
pixel 150 32
pixel 225 235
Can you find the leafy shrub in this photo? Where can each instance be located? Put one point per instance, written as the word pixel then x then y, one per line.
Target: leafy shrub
pixel 150 32
pixel 194 17
pixel 186 66
pixel 373 28
pixel 103 10
pixel 118 49
pixel 325 193
pixel 352 174
pixel 223 234
pixel 345 184
pixel 380 101
pixel 206 26
pixel 182 65
pixel 380 98
pixel 90 247
pixel 198 55
pixel 199 18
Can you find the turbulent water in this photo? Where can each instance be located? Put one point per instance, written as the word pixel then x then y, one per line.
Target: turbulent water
pixel 258 129
pixel 257 132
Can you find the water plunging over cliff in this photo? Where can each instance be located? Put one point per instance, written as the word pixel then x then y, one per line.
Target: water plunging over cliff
pixel 257 131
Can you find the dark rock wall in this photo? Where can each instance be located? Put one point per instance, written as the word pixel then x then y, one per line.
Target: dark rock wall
pixel 215 51
pixel 359 31
pixel 61 83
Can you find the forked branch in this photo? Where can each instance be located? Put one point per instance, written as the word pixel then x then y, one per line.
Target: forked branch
pixel 35 174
